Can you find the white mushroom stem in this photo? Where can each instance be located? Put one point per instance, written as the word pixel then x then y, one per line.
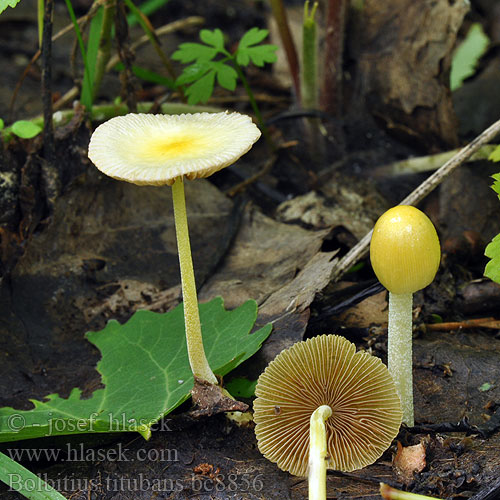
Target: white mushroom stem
pixel 399 356
pixel 318 453
pixel 196 352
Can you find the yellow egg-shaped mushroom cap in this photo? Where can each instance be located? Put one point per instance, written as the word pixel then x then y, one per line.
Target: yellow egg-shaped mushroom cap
pixel 326 370
pixel 156 149
pixel 404 250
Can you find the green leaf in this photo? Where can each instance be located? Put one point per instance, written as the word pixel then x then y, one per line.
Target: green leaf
pixel 467 55
pixel 7 3
pixel 147 8
pixel 214 38
pixel 145 371
pixel 190 51
pixel 252 37
pixel 492 269
pixel 201 90
pixel 192 73
pixel 25 129
pixel 257 55
pixel 20 479
pixel 248 50
pixel 486 387
pixel 148 76
pixel 2 124
pixel 226 75
pixel 92 52
pixel 495 154
pixel 241 387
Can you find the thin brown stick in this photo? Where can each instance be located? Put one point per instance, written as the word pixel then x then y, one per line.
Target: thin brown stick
pixel 460 325
pixel 48 128
pixel 331 92
pixel 361 248
pixel 279 14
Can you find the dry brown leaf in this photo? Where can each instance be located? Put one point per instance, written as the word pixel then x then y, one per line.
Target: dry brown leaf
pixel 408 461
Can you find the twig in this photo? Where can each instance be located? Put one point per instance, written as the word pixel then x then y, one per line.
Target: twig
pixel 243 184
pixel 431 162
pixel 361 248
pixel 460 325
pixel 48 129
pixel 331 93
pixel 279 14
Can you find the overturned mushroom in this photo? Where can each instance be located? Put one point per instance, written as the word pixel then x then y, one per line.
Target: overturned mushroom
pixel 355 396
pixel 163 149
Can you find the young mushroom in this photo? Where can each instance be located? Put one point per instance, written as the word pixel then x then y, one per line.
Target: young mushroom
pixel 164 149
pixel 405 255
pixel 320 404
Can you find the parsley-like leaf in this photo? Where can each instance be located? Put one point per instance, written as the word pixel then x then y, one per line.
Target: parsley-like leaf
pixel 7 3
pixel 201 90
pixel 200 76
pixel 214 38
pixel 252 37
pixel 189 52
pixel 248 50
pixel 226 75
pixel 492 251
pixel 193 72
pixel 495 154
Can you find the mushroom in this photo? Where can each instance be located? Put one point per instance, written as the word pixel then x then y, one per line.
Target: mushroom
pixel 163 149
pixel 320 404
pixel 405 255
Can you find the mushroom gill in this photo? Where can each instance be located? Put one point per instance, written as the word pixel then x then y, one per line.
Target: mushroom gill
pixel 326 370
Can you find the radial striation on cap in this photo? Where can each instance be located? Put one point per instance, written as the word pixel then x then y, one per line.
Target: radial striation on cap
pixel 156 149
pixel 326 370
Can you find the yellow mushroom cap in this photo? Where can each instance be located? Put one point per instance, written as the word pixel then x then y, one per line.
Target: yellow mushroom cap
pixel 404 250
pixel 156 149
pixel 326 370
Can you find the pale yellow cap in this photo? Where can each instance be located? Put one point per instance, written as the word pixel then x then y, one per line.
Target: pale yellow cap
pixel 156 149
pixel 404 250
pixel 326 370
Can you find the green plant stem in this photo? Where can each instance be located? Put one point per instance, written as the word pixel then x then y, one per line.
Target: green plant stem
pixel 318 453
pixel 83 52
pixel 253 103
pixel 146 26
pixel 309 85
pixel 104 46
pixel 390 493
pixel 25 482
pixel 194 340
pixel 40 11
pixel 279 14
pixel 399 351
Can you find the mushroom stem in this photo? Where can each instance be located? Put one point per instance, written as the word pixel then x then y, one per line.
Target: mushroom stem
pixel 318 453
pixel 196 352
pixel 399 356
